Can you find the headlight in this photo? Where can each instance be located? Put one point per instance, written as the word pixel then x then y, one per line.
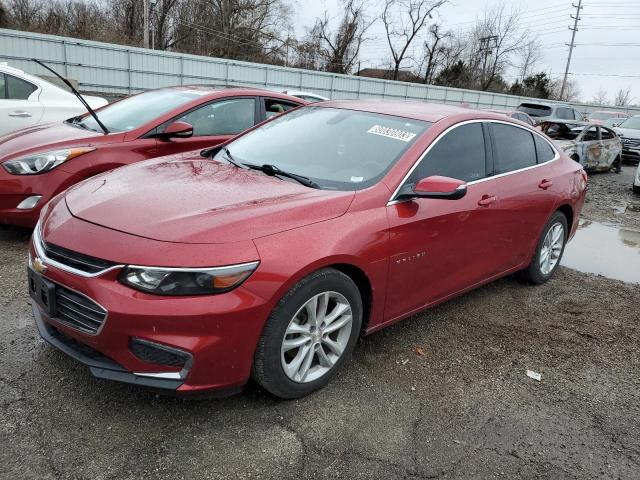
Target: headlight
pixel 43 162
pixel 187 281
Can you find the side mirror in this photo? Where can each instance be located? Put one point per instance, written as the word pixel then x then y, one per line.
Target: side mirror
pixel 443 188
pixel 177 130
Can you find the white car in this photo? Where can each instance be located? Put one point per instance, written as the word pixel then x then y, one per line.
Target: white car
pixel 308 96
pixel 636 180
pixel 26 100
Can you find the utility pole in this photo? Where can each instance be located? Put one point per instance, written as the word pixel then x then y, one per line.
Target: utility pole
pixel 571 45
pixel 145 23
pixel 487 47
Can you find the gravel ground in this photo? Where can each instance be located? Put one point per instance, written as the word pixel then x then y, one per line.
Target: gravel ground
pixel 464 408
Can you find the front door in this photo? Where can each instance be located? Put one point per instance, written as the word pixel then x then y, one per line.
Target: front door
pixel 440 247
pixel 213 124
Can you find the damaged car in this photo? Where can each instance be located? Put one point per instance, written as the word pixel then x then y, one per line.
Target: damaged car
pixel 595 147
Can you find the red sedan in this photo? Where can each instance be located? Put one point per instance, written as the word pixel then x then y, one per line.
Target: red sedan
pixel 270 256
pixel 41 161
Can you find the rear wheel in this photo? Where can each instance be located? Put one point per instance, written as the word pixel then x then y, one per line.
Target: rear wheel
pixel 636 189
pixel 548 252
pixel 309 335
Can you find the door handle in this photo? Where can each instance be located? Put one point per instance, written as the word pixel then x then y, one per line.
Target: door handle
pixel 21 114
pixel 487 200
pixel 544 184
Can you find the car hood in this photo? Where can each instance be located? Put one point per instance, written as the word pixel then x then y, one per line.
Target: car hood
pixel 628 132
pixel 95 102
pixel 191 200
pixel 47 137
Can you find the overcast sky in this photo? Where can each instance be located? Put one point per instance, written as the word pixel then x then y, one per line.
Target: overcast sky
pixel 607 55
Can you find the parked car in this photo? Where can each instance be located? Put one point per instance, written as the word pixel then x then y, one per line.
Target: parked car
pixel 629 132
pixel 600 117
pixel 271 255
pixel 550 111
pixel 595 147
pixel 613 122
pixel 523 117
pixel 308 96
pixel 636 180
pixel 42 161
pixel 27 100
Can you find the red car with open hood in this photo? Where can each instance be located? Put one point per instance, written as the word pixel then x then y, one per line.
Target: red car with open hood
pixel 270 256
pixel 39 162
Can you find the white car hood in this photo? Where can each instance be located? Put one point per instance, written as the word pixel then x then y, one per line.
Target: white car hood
pixel 628 132
pixel 95 102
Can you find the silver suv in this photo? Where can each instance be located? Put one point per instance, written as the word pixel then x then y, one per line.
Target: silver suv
pixel 550 111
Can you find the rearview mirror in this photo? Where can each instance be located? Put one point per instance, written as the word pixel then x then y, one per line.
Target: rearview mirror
pixel 178 130
pixel 436 186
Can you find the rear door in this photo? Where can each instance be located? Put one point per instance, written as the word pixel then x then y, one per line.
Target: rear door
pixel 440 247
pixel 590 147
pixel 526 185
pixel 19 105
pixel 213 123
pixel 611 146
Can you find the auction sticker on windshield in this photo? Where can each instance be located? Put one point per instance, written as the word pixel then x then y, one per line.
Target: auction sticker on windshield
pixel 392 133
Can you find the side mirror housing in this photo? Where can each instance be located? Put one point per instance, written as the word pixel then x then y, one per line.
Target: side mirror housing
pixel 436 186
pixel 177 130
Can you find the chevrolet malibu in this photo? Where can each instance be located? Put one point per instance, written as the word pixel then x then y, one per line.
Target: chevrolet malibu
pixel 41 161
pixel 268 257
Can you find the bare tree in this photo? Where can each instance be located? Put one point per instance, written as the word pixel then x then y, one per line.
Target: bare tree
pixel 571 90
pixel 403 21
pixel 496 38
pixel 435 48
pixel 623 97
pixel 600 97
pixel 530 55
pixel 340 48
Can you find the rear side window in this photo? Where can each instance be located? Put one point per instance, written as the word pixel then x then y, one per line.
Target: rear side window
pixel 591 134
pixel 275 107
pixel 514 147
pixel 607 134
pixel 459 154
pixel 18 89
pixel 543 150
pixel 565 113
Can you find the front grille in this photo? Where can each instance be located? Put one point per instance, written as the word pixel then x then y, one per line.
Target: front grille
pixel 631 143
pixel 78 311
pixel 78 261
pixel 155 353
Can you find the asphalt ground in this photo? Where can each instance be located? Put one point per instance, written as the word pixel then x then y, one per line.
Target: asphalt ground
pixel 443 394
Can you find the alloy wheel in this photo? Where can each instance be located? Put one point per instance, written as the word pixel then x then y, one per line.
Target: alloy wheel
pixel 551 248
pixel 316 337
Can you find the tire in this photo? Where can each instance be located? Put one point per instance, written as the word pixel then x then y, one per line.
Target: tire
pixel 274 367
pixel 636 189
pixel 535 273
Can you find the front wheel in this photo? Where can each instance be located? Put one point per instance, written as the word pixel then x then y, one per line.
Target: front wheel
pixel 548 252
pixel 309 335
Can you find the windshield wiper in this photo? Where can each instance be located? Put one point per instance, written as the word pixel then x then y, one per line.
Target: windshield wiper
pixel 230 158
pixel 272 171
pixel 77 94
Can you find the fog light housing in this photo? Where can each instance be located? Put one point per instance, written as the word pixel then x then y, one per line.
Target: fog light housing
pixel 152 352
pixel 29 202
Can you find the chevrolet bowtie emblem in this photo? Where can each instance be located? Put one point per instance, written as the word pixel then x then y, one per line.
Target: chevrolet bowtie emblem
pixel 39 266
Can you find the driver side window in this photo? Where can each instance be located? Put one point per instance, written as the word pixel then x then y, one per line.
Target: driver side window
pixel 459 154
pixel 227 117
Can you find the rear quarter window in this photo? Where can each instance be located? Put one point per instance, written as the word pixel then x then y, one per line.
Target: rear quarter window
pixel 514 147
pixel 544 152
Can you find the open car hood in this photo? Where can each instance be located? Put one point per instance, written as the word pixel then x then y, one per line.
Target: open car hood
pixel 200 201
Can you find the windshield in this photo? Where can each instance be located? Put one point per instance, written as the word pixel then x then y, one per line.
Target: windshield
pixel 338 149
pixel 534 110
pixel 135 111
pixel 601 115
pixel 633 122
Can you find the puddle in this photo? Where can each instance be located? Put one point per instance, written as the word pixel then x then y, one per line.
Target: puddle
pixel 605 250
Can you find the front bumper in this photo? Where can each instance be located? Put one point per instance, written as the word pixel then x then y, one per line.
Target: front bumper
pixel 14 189
pixel 629 154
pixel 219 333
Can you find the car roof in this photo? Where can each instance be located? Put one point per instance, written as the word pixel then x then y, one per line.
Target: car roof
pixel 428 112
pixel 547 104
